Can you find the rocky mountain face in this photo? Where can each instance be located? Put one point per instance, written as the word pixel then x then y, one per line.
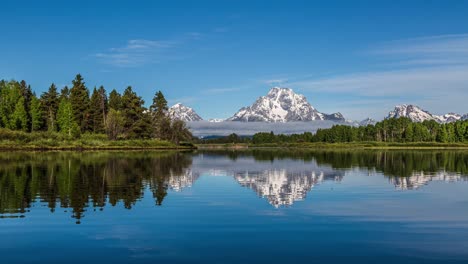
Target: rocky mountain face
pixel 184 113
pixel 416 114
pixel 282 105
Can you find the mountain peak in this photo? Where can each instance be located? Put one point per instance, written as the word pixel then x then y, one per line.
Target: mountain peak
pixel 417 114
pixel 184 113
pixel 282 105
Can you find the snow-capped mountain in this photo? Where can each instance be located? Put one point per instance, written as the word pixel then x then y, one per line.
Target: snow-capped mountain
pixel 282 105
pixel 367 121
pixel 417 114
pixel 184 113
pixel 464 117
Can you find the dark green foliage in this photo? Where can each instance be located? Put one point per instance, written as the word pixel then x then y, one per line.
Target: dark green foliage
pixel 79 99
pixel 115 100
pixel 98 110
pixel 133 111
pixel 73 112
pixel 50 103
pixel 160 119
pixel 37 116
pixel 389 130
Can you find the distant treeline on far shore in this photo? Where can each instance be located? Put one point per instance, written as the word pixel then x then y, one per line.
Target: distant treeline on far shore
pixel 400 130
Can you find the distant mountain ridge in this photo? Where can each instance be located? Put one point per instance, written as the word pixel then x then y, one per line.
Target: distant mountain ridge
pixel 282 105
pixel 417 114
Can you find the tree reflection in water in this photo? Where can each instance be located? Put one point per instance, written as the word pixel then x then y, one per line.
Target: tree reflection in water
pixel 96 179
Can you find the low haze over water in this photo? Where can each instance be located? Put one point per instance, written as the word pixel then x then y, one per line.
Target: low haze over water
pixel 234 207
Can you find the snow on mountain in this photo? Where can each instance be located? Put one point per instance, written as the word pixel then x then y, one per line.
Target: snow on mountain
pixel 282 105
pixel 464 117
pixel 184 113
pixel 283 188
pixel 417 114
pixel 367 121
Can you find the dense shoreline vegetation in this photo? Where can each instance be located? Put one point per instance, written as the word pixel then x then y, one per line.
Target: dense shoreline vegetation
pixel 389 133
pixel 78 118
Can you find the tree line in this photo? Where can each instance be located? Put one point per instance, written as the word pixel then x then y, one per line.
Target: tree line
pixel 77 110
pixel 399 130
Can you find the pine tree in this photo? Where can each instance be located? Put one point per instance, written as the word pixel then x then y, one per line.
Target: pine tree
pixel 64 93
pixel 104 103
pixel 160 119
pixel 79 99
pixel 19 118
pixel 36 114
pixel 95 112
pixel 26 92
pixel 115 100
pixel 50 103
pixel 132 106
pixel 66 119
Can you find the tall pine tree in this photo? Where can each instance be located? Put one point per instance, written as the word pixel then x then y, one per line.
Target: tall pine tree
pixel 79 99
pixel 36 114
pixel 115 100
pixel 95 113
pixel 50 103
pixel 160 121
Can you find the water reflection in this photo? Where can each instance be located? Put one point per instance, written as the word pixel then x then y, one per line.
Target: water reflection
pixel 81 180
pixel 77 181
pixel 281 187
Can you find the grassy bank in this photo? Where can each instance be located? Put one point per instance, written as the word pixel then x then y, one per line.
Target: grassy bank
pixel 350 145
pixel 15 140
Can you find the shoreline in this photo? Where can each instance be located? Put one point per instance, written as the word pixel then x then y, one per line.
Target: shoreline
pixel 342 146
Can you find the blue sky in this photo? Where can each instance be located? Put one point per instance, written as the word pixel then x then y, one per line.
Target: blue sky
pixel 357 57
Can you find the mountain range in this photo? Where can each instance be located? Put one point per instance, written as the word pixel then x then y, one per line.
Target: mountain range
pixel 282 105
pixel 417 114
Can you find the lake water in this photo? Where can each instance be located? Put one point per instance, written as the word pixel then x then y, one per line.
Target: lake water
pixel 234 207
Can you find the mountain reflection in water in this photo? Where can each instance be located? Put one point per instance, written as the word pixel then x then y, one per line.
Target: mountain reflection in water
pixel 80 181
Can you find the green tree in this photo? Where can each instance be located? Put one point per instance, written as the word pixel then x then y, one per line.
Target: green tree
pixel 96 115
pixel 442 135
pixel 132 109
pixel 180 132
pixel 160 119
pixel 19 118
pixel 115 100
pixel 10 94
pixel 79 99
pixel 66 119
pixel 115 124
pixel 36 114
pixel 50 103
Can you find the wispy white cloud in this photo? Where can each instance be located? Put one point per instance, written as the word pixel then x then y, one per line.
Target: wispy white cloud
pixel 135 52
pixel 276 82
pixel 138 52
pixel 221 90
pixel 430 71
pixel 442 44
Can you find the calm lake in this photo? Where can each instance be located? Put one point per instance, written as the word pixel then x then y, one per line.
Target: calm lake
pixel 234 207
